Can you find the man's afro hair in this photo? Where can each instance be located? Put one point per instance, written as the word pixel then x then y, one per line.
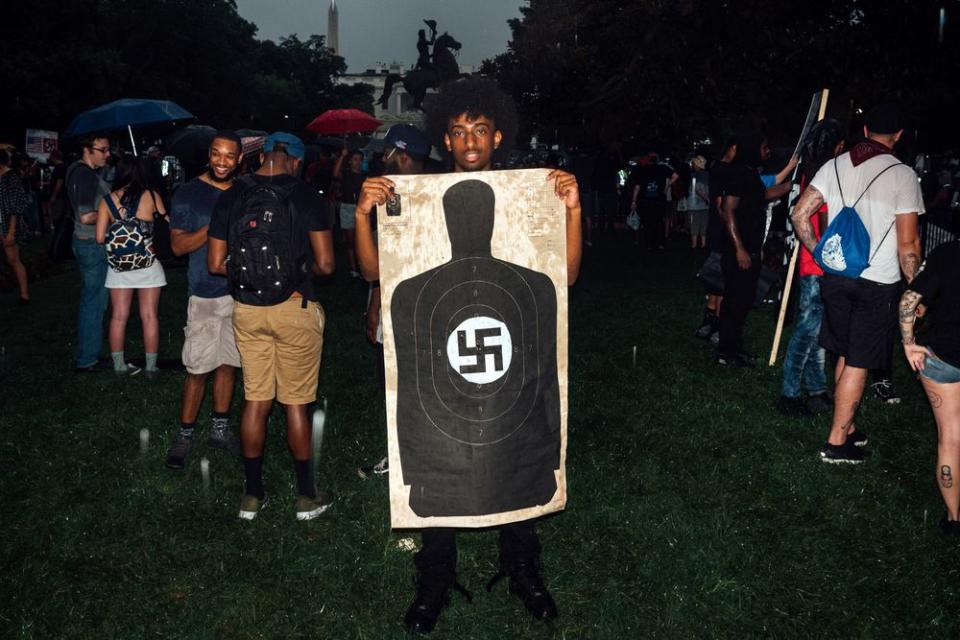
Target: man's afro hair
pixel 476 97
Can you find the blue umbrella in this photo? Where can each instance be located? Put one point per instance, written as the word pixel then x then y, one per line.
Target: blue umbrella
pixel 125 114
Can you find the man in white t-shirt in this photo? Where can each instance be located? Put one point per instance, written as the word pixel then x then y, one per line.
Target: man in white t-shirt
pixel 859 314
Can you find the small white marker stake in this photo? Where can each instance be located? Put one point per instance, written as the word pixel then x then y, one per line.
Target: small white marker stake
pixel 205 473
pixel 318 420
pixel 634 356
pixel 144 440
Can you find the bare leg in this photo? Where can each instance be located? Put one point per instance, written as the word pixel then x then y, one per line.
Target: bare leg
pixel 945 402
pixel 253 427
pixel 13 259
pixel 847 395
pixel 148 300
pixel 120 300
pixel 298 431
pixel 192 396
pixel 223 382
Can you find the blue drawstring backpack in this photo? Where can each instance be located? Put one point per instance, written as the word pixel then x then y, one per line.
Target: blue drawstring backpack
pixel 844 247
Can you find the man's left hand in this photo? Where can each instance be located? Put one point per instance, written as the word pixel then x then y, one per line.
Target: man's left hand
pixel 565 186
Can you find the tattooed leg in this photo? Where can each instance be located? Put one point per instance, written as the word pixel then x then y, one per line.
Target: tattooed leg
pixel 945 401
pixel 946 477
pixel 847 395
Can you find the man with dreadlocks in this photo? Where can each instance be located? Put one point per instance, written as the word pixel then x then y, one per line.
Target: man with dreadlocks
pixel 474 121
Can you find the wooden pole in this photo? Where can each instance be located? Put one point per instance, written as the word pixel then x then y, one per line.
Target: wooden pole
pixel 824 95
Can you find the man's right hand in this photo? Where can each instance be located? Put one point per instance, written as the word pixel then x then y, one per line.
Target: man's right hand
pixel 743 259
pixel 374 192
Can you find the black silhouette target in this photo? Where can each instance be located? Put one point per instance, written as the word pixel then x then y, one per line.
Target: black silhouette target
pixel 478 411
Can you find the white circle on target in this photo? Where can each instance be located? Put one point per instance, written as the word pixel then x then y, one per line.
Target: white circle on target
pixel 480 349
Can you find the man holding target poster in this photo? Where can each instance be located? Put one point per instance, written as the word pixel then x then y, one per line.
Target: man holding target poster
pixel 474 270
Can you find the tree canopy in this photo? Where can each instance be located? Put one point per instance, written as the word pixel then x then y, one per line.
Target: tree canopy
pixel 678 71
pixel 62 57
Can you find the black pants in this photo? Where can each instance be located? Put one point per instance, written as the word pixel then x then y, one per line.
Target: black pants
pixel 437 559
pixel 739 291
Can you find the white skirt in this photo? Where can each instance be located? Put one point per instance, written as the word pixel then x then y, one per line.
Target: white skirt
pixel 152 276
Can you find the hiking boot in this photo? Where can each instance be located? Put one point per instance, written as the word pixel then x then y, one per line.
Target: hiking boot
pixel 527 584
pixel 858 438
pixel 379 469
pixel 792 407
pixel 221 437
pixel 250 506
pixel 179 450
pixel 884 392
pixel 309 508
pixel 432 597
pixel 129 370
pixel 846 453
pixel 819 403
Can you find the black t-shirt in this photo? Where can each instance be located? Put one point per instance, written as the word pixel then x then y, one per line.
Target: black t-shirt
pixel 59 173
pixel 309 213
pixel 744 182
pixel 350 184
pixel 652 181
pixel 719 176
pixel 939 284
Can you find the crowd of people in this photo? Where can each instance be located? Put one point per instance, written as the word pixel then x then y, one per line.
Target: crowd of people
pixel 253 305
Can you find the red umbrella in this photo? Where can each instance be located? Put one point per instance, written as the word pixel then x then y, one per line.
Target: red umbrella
pixel 343 121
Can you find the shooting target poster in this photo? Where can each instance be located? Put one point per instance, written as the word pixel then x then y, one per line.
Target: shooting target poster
pixel 473 279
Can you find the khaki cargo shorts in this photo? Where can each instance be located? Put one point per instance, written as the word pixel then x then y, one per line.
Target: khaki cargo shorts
pixel 208 337
pixel 280 347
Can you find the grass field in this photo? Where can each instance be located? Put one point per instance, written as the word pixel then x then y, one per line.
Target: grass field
pixel 696 510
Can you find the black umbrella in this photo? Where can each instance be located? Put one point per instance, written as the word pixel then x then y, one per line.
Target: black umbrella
pixel 191 144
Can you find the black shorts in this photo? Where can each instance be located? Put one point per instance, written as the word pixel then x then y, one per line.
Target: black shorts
pixel 859 319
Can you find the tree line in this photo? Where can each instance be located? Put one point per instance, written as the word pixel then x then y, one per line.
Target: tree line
pixel 62 57
pixel 676 72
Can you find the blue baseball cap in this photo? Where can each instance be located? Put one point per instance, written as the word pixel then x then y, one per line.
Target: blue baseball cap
pixel 407 137
pixel 294 145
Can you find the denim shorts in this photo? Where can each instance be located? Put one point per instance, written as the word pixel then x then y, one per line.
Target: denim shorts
pixel 936 370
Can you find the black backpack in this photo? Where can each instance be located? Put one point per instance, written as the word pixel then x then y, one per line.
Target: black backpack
pixel 263 267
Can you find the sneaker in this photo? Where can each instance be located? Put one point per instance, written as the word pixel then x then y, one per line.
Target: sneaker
pixel 734 361
pixel 858 438
pixel 792 407
pixel 310 508
pixel 250 506
pixel 128 371
pixel 151 374
pixel 715 338
pixel 379 469
pixel 527 584
pixel 221 437
pixel 846 453
pixel 179 450
pixel 709 326
pixel 949 527
pixel 884 392
pixel 819 403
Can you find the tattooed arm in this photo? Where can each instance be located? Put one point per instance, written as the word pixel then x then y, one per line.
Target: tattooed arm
pixel 809 203
pixel 914 352
pixel 908 245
